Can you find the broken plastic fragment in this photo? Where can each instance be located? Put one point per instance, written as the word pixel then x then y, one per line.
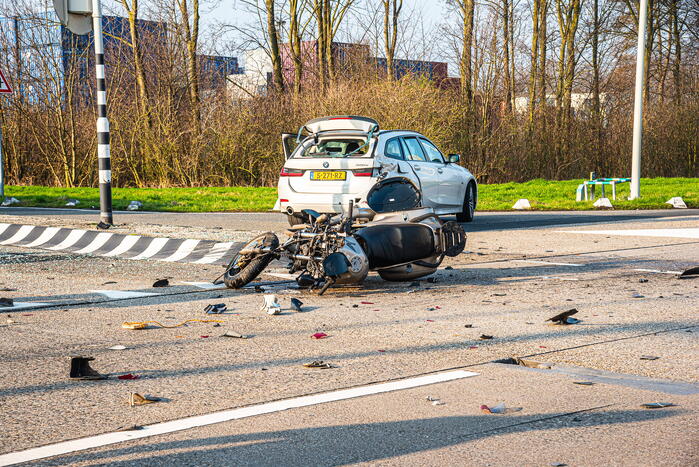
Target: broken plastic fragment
pixel 128 376
pixel 215 309
pixel 500 409
pixel 234 335
pixel 297 304
pixel 117 347
pixel 137 399
pixel 270 305
pixel 367 303
pixel 657 405
pixel 319 335
pixel 80 369
pixel 649 357
pixel 8 302
pixel 562 318
pixel 485 337
pixel 688 273
pixel 318 364
pixel 584 383
pixel 161 283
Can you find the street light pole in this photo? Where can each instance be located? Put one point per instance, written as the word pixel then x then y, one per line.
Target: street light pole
pixel 638 103
pixel 103 153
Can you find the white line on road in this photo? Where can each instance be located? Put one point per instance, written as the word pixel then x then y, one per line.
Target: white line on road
pixel 546 262
pixel 70 240
pixel 657 271
pixel 45 236
pixel 216 252
pixel 23 306
pixel 155 246
pixel 3 227
pixel 225 416
pixel 119 294
pixel 206 285
pixel 19 235
pixel 97 243
pixel 671 233
pixel 124 246
pixel 183 251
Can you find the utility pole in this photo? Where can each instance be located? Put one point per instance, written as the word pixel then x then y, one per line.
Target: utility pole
pixel 81 17
pixel 638 103
pixel 4 89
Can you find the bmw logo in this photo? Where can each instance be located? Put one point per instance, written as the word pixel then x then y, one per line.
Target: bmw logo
pixel 326 165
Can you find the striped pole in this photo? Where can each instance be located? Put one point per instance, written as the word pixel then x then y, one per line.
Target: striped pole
pixel 103 156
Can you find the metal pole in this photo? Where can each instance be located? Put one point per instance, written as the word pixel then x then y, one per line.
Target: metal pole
pixel 638 103
pixel 2 171
pixel 103 156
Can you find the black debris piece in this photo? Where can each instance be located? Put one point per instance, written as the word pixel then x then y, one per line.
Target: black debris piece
pixel 584 383
pixel 689 273
pixel 468 325
pixel 215 309
pixel 657 405
pixel 130 428
pixel 649 357
pixel 161 283
pixel 562 318
pixel 297 304
pixel 80 369
pixel 318 364
pixel 643 280
pixel 448 268
pixel 432 280
pixel 259 289
pixel 103 225
pixel 485 337
pixel 415 284
pixel 7 302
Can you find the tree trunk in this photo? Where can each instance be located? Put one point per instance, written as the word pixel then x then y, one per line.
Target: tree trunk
pixel 141 83
pixel 507 81
pixel 541 85
pixel 467 11
pixel 676 71
pixel 390 32
pixel 536 24
pixel 274 46
pixel 295 44
pixel 191 34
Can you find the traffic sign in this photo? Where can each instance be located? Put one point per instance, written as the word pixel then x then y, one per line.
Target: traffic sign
pixel 76 15
pixel 4 85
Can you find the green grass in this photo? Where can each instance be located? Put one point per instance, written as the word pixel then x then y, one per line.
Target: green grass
pixel 543 195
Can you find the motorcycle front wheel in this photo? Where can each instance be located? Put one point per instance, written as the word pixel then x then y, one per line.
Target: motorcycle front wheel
pixel 244 268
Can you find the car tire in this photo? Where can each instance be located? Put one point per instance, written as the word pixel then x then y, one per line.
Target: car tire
pixel 295 219
pixel 469 207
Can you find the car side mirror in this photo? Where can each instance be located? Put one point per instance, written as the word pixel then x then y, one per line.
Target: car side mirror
pixel 454 158
pixel 287 144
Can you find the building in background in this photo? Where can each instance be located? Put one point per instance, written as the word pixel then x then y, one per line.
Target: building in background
pixel 350 60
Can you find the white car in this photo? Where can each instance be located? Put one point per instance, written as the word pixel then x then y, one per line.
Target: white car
pixel 341 158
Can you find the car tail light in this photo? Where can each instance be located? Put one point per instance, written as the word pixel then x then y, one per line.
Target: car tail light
pixel 281 200
pixel 291 172
pixel 363 172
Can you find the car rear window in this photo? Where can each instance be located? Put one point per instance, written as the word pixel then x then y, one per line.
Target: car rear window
pixel 336 147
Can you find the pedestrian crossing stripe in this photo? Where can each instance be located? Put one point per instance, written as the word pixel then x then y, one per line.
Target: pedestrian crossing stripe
pixel 114 245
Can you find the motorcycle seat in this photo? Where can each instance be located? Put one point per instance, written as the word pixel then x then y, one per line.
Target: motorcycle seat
pixel 391 244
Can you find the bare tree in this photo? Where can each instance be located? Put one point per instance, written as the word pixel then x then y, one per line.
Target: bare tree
pixel 392 10
pixel 273 35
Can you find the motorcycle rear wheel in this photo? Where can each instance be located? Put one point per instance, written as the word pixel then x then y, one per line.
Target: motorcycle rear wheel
pixel 244 268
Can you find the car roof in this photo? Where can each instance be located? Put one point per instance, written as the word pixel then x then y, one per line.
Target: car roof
pixel 410 132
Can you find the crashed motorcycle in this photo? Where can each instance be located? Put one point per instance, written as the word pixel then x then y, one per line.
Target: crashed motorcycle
pixel 388 233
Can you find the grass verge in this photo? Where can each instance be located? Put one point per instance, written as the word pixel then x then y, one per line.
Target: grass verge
pixel 542 194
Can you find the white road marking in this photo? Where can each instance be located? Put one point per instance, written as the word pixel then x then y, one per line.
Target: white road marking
pixel 206 285
pixel 216 252
pixel 281 275
pixel 534 261
pixel 225 416
pixel 671 233
pixel 560 278
pixel 657 271
pixel 3 227
pixel 45 236
pixel 155 246
pixel 183 251
pixel 117 294
pixel 124 246
pixel 99 240
pixel 19 235
pixel 70 240
pixel 23 306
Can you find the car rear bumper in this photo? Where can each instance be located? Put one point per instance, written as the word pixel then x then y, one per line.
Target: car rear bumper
pixel 323 203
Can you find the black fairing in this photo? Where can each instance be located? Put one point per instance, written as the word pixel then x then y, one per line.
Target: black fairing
pixel 388 245
pixel 393 194
pixel 335 265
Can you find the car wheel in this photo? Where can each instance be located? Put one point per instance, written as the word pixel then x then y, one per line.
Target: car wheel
pixel 469 206
pixel 295 219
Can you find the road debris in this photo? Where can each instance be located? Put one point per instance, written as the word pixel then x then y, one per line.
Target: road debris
pixel 117 347
pixel 468 325
pixel 80 369
pixel 270 305
pixel 318 364
pixel 161 283
pixel 657 405
pixel 72 202
pixel 130 428
pixel 649 357
pixel 319 335
pixel 9 201
pixel 215 309
pixel 366 303
pixel 522 204
pixel 499 409
pixel 296 304
pixel 435 400
pixel 6 302
pixel 485 337
pixel 689 273
pixel 565 317
pixel 234 335
pixel 637 295
pixel 643 280
pixel 128 376
pixel 584 383
pixel 134 206
pixel 677 202
pixel 134 325
pixel 137 399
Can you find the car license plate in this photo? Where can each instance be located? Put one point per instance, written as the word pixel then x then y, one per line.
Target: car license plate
pixel 329 175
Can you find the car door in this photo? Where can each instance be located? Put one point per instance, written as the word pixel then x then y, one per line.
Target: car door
pixel 425 171
pixel 451 180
